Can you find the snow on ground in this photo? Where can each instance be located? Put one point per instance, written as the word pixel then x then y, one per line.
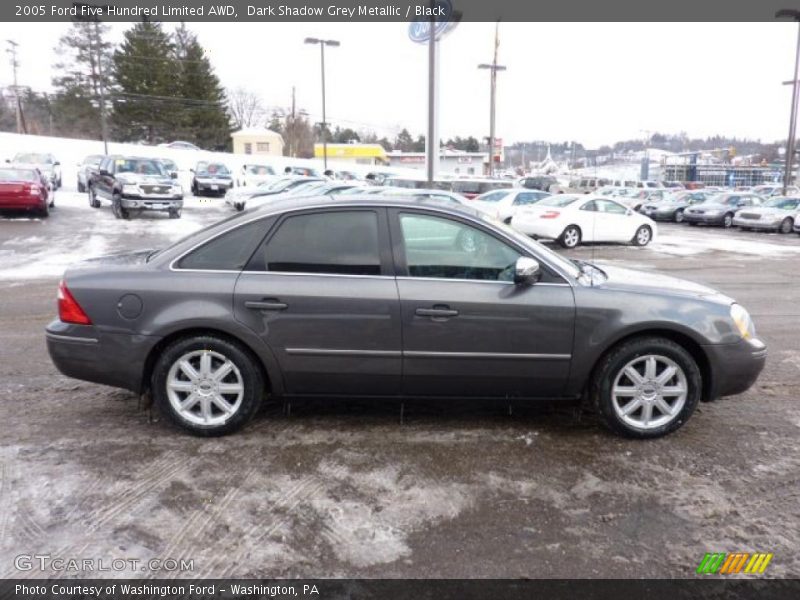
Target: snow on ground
pixel 722 241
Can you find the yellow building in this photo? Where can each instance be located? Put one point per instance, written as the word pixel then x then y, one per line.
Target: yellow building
pixel 360 154
pixel 257 141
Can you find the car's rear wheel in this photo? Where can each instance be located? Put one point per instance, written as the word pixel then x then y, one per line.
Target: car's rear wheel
pixel 207 385
pixel 727 220
pixel 81 187
pixel 643 236
pixel 679 216
pixel 44 212
pixel 175 213
pixel 786 225
pixel 570 237
pixel 646 387
pixel 239 206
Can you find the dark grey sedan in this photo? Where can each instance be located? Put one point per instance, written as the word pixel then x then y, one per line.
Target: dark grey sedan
pixel 393 297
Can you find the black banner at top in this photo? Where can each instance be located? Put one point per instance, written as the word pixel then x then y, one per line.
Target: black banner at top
pixel 393 10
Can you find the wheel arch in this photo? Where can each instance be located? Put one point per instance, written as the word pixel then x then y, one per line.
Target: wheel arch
pixel 271 376
pixel 686 341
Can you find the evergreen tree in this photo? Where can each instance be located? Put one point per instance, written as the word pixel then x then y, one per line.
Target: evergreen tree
pixel 84 70
pixel 204 119
pixel 146 102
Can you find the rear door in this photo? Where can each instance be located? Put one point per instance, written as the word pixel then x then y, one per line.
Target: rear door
pixel 468 330
pixel 321 294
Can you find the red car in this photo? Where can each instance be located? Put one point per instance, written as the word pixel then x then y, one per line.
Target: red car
pixel 24 189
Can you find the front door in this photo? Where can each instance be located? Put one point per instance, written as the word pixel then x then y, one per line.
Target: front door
pixel 468 330
pixel 320 293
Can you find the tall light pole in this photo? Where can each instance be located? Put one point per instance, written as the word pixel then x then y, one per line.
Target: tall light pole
pixel 787 175
pixel 494 68
pixel 322 44
pixel 12 51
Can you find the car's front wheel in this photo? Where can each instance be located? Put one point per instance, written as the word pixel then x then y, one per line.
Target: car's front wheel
pixel 643 236
pixel 207 385
pixel 786 225
pixel 174 213
pixel 727 220
pixel 646 387
pixel 679 216
pixel 93 201
pixel 570 237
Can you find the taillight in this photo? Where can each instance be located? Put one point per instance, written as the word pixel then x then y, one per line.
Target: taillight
pixel 35 191
pixel 550 214
pixel 69 311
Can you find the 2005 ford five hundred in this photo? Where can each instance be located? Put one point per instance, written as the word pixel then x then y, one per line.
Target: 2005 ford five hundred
pixel 394 298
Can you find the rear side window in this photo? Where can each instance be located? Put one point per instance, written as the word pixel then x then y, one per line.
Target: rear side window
pixel 228 252
pixel 344 243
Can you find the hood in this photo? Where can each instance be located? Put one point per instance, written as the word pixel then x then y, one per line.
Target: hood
pixel 632 280
pixel 768 210
pixel 43 167
pixel 711 206
pixel 137 178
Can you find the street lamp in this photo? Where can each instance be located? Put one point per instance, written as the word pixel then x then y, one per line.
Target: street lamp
pixel 787 175
pixel 322 44
pixel 494 68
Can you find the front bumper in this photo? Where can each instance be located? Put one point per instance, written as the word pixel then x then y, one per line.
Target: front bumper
pixel 757 223
pixel 130 201
pixel 715 219
pixel 207 185
pixel 83 352
pixel 734 367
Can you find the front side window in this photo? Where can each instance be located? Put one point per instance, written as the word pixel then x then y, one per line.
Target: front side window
pixel 607 206
pixel 344 243
pixel 441 248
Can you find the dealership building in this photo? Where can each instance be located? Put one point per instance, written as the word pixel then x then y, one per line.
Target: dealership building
pixel 451 162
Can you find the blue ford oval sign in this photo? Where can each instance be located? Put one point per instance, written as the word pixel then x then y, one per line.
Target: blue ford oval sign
pixel 419 31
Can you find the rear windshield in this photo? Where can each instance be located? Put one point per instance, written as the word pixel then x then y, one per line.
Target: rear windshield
pixel 18 175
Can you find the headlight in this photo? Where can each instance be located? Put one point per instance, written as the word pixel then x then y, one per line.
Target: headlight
pixel 744 324
pixel 130 188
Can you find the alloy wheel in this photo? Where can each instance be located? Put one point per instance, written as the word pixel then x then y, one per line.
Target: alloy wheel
pixel 205 387
pixel 649 392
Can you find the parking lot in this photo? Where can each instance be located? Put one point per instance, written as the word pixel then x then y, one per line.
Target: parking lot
pixel 336 489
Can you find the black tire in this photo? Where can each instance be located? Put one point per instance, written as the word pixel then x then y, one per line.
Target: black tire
pixel 93 201
pixel 570 237
pixel 786 225
pixel 116 207
pixel 692 223
pixel 248 369
pixel 239 206
pixel 44 212
pixel 678 216
pixel 643 236
pixel 175 213
pixel 727 220
pixel 613 363
pixel 81 188
pixel 195 191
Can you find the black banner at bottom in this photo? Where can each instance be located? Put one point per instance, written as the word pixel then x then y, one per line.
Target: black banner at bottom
pixel 396 589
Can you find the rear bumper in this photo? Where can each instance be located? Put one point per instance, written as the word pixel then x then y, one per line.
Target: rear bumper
pixel 83 352
pixel 548 229
pixel 22 203
pixel 734 367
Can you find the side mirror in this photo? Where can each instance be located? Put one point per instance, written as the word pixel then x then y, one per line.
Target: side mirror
pixel 526 271
pixel 56 164
pixel 173 175
pixel 104 172
pixel 191 170
pixel 629 212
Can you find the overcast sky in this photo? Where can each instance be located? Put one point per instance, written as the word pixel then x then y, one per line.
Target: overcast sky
pixel 594 83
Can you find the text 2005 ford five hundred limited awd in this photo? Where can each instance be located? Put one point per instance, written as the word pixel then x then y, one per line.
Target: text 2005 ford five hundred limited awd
pixel 394 298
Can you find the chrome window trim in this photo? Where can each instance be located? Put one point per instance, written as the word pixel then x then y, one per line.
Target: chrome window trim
pixel 435 209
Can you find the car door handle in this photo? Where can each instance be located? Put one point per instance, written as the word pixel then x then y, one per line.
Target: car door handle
pixel 437 312
pixel 266 305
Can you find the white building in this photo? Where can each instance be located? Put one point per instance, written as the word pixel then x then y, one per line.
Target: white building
pixel 451 162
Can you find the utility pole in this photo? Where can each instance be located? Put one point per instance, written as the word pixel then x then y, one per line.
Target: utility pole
pixel 12 51
pixel 787 175
pixel 494 68
pixel 322 44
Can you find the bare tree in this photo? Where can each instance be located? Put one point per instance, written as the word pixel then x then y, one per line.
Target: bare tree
pixel 245 108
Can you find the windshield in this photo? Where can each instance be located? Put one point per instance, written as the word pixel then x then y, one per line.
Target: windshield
pixel 7 175
pixel 259 170
pixel 34 159
pixel 784 203
pixel 492 196
pixel 141 166
pixel 212 169
pixel 558 201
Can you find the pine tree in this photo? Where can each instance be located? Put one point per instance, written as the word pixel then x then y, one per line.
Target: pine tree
pixel 84 70
pixel 204 120
pixel 146 103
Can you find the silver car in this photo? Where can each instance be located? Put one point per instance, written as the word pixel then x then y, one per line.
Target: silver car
pixel 776 214
pixel 394 297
